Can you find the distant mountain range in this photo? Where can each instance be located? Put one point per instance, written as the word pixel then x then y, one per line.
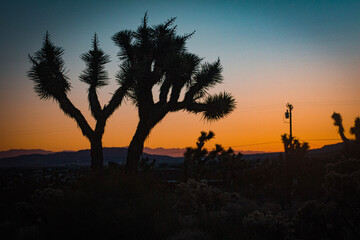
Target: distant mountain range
pixel 172 152
pixel 325 151
pixel 41 158
pixel 78 158
pixel 19 152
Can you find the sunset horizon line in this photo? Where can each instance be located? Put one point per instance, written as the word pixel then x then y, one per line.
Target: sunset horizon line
pixel 164 148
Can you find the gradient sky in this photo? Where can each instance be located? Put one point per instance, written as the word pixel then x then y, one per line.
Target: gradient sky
pixel 272 52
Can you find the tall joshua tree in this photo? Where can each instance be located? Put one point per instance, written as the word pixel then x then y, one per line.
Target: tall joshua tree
pixel 156 55
pixel 50 82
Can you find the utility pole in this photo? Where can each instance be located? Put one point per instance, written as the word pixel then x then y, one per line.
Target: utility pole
pixel 288 114
pixel 289 158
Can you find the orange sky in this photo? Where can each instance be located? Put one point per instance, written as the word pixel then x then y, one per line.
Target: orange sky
pixel 28 122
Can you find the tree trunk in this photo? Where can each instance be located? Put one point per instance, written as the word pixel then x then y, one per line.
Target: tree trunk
pixel 96 151
pixel 136 147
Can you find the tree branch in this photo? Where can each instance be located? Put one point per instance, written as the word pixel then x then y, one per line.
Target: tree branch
pixel 164 91
pixel 115 101
pixel 70 110
pixel 95 106
pixel 214 107
pixel 100 127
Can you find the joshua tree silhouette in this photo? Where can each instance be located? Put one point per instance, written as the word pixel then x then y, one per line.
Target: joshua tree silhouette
pixel 50 82
pixel 293 148
pixel 156 55
pixel 352 146
pixel 196 160
pixel 193 157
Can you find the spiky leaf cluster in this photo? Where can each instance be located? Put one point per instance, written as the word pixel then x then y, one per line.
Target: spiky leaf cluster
pixel 48 71
pixel 219 106
pixel 205 79
pixel 95 59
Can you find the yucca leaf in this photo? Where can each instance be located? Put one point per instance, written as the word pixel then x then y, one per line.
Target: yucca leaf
pixel 48 71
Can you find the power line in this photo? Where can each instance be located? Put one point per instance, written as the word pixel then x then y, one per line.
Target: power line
pixel 265 143
pixel 255 144
pixel 324 139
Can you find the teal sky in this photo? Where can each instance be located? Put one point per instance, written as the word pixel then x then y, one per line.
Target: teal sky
pixel 223 28
pixel 306 52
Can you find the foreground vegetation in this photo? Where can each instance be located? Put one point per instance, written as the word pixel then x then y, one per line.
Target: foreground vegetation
pixel 219 196
pixel 78 203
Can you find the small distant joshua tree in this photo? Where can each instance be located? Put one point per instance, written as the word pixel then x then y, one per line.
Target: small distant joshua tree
pixel 196 156
pixel 157 56
pixel 352 146
pixel 293 148
pixel 196 160
pixel 50 82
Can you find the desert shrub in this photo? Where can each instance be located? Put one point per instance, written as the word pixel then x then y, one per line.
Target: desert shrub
pixel 234 212
pixel 265 226
pixel 29 233
pixel 195 197
pixel 47 196
pixel 271 207
pixel 190 234
pixel 25 213
pixel 316 220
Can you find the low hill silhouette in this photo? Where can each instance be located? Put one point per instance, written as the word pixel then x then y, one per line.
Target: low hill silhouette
pixel 44 158
pixel 78 158
pixel 20 152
